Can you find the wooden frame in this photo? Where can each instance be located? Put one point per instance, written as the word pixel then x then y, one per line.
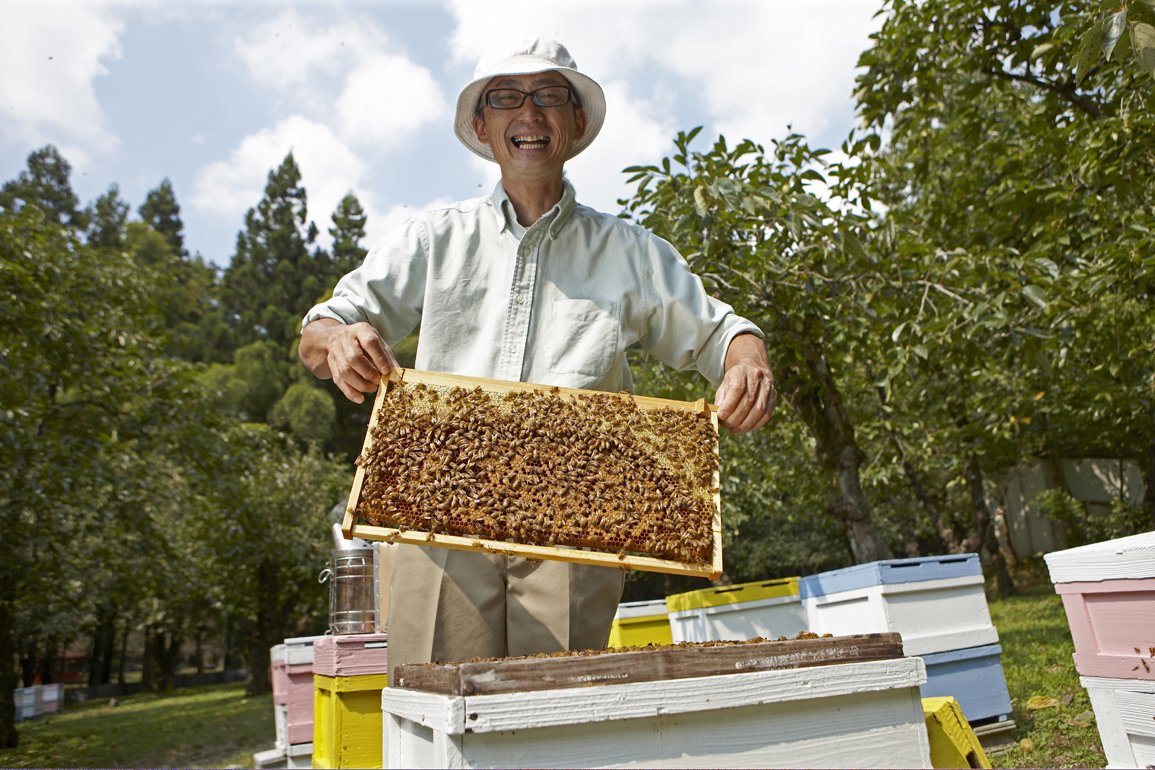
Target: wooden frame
pixel 351 528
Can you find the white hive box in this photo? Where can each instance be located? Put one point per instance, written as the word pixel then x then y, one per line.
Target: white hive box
pixel 861 714
pixel 767 609
pixel 936 603
pixel 1125 716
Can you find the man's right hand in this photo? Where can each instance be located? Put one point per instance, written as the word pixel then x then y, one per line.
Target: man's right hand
pixel 354 356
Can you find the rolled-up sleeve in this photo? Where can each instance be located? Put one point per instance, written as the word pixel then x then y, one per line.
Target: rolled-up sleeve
pixel 387 290
pixel 688 328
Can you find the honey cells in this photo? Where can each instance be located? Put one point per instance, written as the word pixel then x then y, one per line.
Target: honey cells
pixel 541 468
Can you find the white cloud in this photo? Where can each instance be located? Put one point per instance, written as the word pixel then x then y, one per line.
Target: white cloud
pixel 386 100
pixel 753 66
pixel 634 137
pixel 329 169
pixel 290 50
pixel 50 54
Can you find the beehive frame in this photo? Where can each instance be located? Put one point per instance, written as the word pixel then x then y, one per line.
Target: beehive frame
pixel 708 568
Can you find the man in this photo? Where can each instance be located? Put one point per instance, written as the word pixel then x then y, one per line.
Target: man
pixel 526 285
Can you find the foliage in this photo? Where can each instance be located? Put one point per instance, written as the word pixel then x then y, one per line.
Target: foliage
pixel 1082 526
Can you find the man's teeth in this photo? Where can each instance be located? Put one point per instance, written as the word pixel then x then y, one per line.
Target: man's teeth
pixel 530 142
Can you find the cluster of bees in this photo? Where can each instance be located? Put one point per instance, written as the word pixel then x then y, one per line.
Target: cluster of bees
pixel 541 468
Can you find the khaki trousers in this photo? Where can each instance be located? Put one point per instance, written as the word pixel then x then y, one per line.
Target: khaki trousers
pixel 448 605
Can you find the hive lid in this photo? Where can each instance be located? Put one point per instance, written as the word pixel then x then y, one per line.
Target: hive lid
pixel 891 571
pixel 642 609
pixel 742 593
pixel 1130 557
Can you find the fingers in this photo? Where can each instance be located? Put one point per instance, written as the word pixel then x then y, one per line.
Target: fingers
pixel 746 399
pixel 358 360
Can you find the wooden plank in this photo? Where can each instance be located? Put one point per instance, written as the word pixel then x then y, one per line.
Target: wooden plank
pixel 621 558
pixel 641 665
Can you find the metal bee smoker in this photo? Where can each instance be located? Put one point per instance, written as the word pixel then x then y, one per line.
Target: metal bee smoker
pixel 350 575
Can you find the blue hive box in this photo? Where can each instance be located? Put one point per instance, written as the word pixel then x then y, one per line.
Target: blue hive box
pixel 974 677
pixel 936 603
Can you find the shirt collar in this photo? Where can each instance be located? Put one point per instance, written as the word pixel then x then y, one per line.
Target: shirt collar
pixel 557 216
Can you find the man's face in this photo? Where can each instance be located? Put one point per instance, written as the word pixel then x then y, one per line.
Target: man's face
pixel 530 142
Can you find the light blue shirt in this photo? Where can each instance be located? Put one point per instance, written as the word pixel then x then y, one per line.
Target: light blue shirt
pixel 557 303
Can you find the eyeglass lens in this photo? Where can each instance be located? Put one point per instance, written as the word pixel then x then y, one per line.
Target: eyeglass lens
pixel 512 98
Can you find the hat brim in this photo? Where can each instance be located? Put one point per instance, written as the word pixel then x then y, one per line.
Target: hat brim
pixel 589 96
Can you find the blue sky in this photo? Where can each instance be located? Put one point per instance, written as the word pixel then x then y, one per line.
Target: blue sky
pixel 213 94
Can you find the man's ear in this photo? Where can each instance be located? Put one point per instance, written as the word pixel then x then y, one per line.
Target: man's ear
pixel 579 119
pixel 479 129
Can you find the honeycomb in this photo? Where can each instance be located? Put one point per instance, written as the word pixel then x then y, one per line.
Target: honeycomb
pixel 538 467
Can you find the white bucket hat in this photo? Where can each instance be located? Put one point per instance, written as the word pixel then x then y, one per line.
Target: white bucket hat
pixel 540 55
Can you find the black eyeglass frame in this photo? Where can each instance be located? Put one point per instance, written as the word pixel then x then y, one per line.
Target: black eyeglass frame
pixel 570 96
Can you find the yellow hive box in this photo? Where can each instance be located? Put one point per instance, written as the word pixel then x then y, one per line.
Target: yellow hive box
pixel 952 741
pixel 347 720
pixel 637 624
pixel 764 608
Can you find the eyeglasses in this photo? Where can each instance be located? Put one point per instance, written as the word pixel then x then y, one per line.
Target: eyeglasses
pixel 512 98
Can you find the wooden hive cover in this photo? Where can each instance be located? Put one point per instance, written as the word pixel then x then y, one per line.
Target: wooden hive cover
pixel 541 472
pixel 647 664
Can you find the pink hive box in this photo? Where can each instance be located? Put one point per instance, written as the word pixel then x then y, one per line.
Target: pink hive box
pixel 351 655
pixel 292 670
pixel 1108 591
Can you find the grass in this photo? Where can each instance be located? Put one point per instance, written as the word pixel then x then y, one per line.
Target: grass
pixel 217 726
pixel 1055 726
pixel 212 726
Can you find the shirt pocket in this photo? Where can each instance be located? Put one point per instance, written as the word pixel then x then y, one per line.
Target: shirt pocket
pixel 583 336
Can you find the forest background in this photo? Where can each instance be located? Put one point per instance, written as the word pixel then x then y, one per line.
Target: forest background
pixel 966 289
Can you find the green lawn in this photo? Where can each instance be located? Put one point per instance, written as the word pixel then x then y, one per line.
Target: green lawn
pixel 1055 723
pixel 218 726
pixel 214 726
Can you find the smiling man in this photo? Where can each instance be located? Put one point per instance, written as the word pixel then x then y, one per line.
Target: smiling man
pixel 529 285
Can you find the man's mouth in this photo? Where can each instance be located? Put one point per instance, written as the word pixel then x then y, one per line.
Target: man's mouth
pixel 531 142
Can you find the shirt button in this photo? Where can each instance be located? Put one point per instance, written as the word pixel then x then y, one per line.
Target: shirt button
pixel 511 349
pixel 519 299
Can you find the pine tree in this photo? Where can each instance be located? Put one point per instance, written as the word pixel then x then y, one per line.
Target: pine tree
pixel 161 212
pixel 348 231
pixel 276 274
pixel 47 185
pixel 108 220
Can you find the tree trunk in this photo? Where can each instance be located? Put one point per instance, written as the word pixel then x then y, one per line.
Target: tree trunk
pixel 122 659
pixel 1149 486
pixel 103 648
pixel 983 540
pixel 266 631
pixel 818 401
pixel 946 537
pixel 852 510
pixel 8 670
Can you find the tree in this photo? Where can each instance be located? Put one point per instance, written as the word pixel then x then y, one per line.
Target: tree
pixel 108 220
pixel 270 535
pixel 78 379
pixel 276 274
pixel 161 212
pixel 1017 147
pixel 793 265
pixel 47 185
pixel 348 231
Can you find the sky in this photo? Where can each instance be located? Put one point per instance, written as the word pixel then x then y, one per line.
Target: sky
pixel 213 94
